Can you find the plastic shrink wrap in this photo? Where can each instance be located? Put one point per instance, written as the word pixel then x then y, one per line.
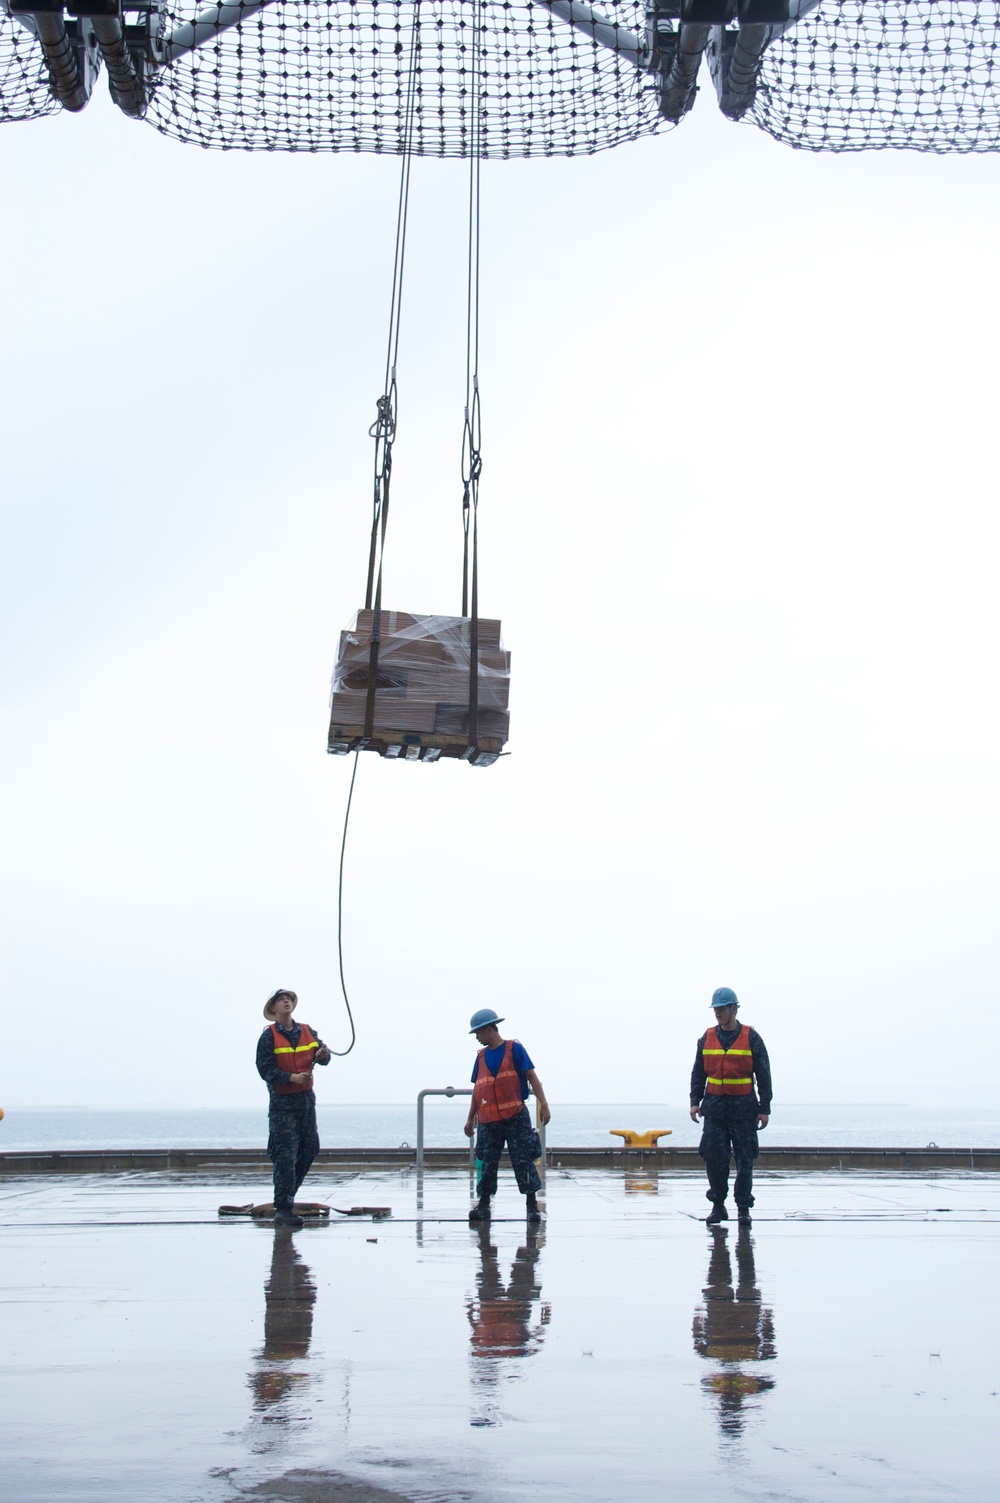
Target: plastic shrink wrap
pixel 422 683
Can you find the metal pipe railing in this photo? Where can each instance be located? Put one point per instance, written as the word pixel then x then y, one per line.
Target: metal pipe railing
pixel 442 1091
pixel 540 1129
pixel 466 1091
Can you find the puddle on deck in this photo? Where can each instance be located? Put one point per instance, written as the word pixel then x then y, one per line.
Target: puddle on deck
pixel 844 1348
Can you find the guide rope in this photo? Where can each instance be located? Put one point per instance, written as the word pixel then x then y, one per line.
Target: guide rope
pixel 340 1053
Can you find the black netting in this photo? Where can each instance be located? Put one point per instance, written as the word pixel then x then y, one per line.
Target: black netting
pixel 330 75
pixel 860 75
pixel 24 82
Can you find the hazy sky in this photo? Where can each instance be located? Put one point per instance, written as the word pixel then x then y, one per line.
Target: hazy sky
pixel 738 518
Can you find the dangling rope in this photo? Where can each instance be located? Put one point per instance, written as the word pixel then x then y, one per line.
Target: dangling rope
pixel 472 463
pixel 340 917
pixel 383 431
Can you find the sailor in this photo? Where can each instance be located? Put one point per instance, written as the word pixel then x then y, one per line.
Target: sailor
pixel 286 1053
pixel 501 1078
pixel 729 1059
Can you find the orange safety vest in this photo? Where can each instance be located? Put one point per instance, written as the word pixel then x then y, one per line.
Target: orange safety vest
pixel 294 1060
pixel 726 1070
pixel 498 1096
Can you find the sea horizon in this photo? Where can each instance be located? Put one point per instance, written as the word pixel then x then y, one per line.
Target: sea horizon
pixel 574 1124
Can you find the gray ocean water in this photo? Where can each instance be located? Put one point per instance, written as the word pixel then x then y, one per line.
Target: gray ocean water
pixel 580 1126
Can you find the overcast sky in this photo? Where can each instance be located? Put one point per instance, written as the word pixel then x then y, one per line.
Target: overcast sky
pixel 739 521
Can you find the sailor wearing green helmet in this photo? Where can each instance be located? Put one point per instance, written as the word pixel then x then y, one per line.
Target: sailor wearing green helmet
pixel 501 1078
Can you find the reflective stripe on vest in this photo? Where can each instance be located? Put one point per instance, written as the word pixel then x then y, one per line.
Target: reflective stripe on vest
pixel 724 1067
pixel 294 1060
pixel 498 1096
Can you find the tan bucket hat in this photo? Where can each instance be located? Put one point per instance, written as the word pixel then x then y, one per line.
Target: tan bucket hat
pixel 283 991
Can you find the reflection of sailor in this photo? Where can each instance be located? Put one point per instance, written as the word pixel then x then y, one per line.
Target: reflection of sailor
pixel 733 1328
pixel 503 1317
pixel 289 1297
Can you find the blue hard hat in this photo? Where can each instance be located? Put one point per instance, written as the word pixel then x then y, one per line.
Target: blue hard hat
pixel 724 996
pixel 483 1018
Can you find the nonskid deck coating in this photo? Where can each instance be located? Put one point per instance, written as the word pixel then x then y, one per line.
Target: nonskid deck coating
pixel 845 1348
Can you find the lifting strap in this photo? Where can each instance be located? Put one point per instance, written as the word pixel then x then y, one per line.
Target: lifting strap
pixel 472 463
pixel 383 430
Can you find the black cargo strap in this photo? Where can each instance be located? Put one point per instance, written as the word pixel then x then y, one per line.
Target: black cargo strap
pixel 472 463
pixel 472 466
pixel 383 430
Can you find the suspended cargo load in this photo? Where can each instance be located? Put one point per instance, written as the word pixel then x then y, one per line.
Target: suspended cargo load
pixel 424 702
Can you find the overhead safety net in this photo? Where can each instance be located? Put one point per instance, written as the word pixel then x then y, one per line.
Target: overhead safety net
pixel 862 75
pixel 559 77
pixel 327 75
pixel 24 78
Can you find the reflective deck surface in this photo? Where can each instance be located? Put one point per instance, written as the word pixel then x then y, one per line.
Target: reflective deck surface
pixel 844 1348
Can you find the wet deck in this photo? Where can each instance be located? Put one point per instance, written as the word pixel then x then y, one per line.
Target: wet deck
pixel 846 1348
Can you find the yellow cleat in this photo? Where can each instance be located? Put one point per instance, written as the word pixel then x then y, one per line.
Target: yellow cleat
pixel 640 1139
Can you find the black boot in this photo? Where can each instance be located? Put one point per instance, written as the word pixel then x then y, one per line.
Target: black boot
pixel 287 1217
pixel 745 1219
pixel 716 1214
pixel 481 1211
pixel 534 1214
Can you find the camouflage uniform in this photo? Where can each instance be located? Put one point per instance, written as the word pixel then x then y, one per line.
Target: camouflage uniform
pixel 292 1144
pixel 729 1129
pixel 293 1137
pixel 522 1145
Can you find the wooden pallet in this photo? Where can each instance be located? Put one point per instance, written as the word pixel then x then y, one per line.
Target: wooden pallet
pixel 413 747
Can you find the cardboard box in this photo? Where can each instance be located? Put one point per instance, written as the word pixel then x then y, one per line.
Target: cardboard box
pixel 451 686
pixel 453 720
pixel 348 711
pixel 446 629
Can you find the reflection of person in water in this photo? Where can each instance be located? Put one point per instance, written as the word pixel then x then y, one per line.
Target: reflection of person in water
pixel 733 1329
pixel 289 1297
pixel 502 1316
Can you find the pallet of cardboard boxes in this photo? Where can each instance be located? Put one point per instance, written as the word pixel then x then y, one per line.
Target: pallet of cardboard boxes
pixel 422 685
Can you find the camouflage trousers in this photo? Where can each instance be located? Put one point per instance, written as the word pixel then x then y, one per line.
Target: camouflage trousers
pixel 729 1129
pixel 522 1145
pixel 292 1144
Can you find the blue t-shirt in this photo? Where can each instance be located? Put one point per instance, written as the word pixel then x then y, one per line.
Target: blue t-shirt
pixel 519 1057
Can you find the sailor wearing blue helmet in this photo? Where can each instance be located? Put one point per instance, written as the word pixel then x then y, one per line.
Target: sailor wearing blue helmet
pixel 501 1078
pixel 729 1060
